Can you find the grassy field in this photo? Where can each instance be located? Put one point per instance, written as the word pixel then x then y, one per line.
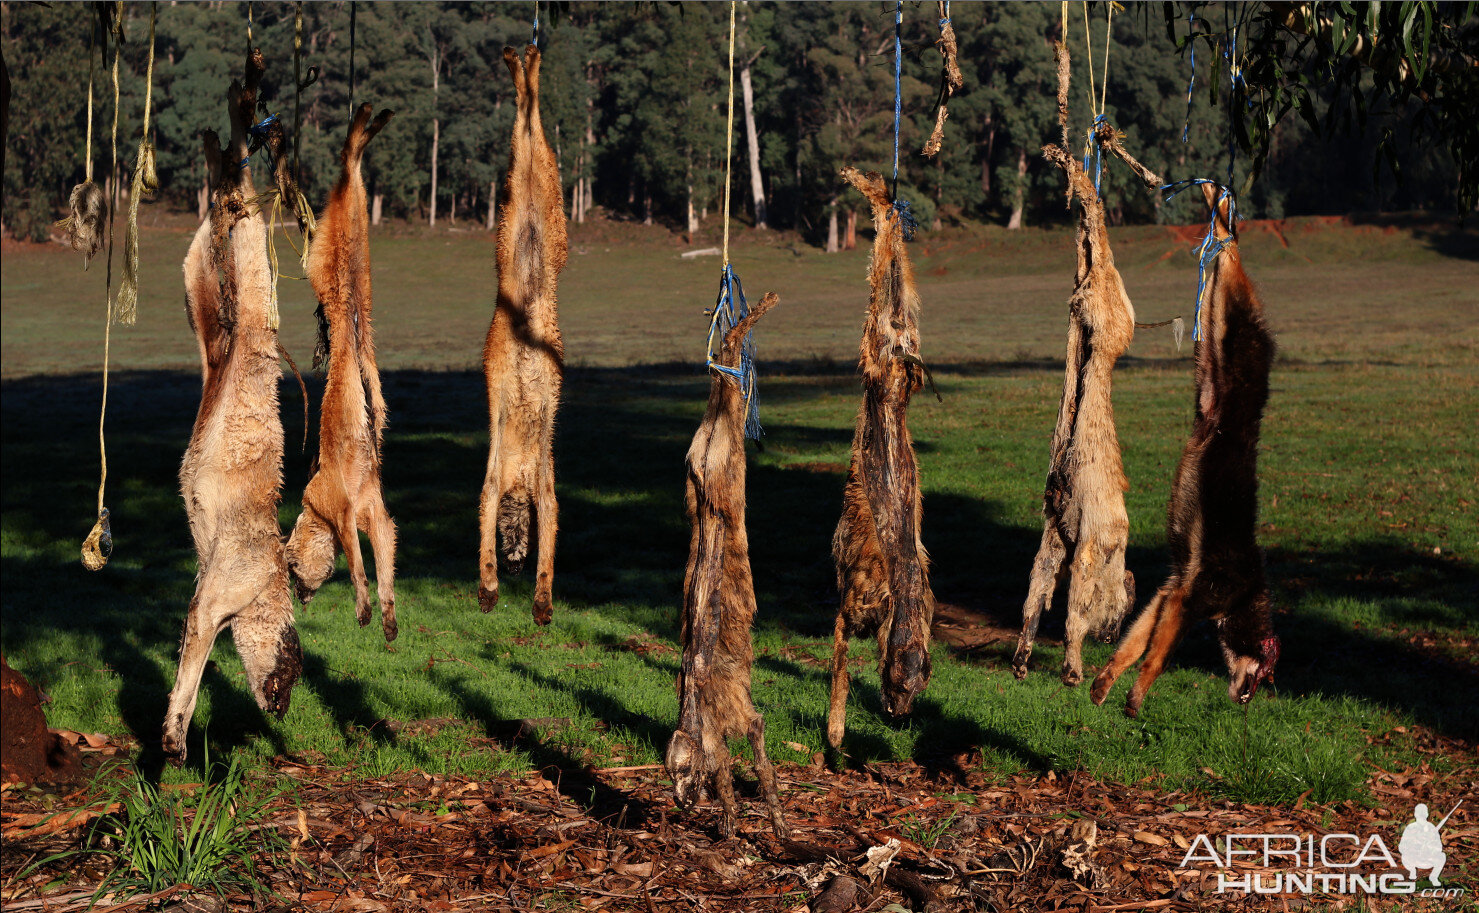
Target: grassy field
pixel 1369 508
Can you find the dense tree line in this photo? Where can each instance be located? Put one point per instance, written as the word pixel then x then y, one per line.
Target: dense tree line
pixel 634 99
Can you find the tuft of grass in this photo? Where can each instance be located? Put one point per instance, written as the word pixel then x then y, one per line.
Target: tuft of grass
pixel 209 839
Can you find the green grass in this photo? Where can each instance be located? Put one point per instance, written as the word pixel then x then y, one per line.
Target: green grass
pixel 1369 468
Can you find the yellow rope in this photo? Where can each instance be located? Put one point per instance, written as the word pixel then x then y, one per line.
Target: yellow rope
pixel 1089 55
pixel 98 546
pixel 1104 86
pixel 145 183
pixel 729 139
pixel 91 69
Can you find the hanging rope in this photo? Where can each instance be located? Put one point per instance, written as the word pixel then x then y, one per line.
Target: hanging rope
pixel 1091 146
pixel 87 204
pixel 1210 246
pixel 97 548
pixel 534 38
pixel 901 207
pixel 731 306
pixel 1191 39
pixel 351 60
pixel 145 183
pixel 301 210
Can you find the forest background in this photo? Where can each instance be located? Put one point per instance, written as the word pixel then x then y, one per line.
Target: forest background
pixel 634 101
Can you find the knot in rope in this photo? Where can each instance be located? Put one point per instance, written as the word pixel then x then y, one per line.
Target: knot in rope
pixel 1210 245
pixel 1091 145
pixel 906 219
pixel 729 310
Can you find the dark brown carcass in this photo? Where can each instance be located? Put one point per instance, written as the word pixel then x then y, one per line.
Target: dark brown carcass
pixel 719 605
pixel 524 356
pixel 232 471
pixel 344 495
pixel 882 568
pixel 1217 566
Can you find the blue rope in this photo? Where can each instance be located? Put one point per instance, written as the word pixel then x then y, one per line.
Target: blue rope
pixel 534 39
pixel 728 311
pixel 901 207
pixel 1210 245
pixel 946 21
pixel 1092 145
pixel 1191 37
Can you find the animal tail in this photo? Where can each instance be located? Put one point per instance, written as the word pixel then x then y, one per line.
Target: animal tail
pixel 302 388
pixel 513 528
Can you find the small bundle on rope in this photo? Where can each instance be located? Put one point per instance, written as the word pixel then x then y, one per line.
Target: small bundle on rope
pixel 88 205
pixel 145 183
pixel 950 78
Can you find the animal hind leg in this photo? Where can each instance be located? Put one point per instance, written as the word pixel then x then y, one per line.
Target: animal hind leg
pixel 348 532
pixel 546 516
pixel 488 528
pixel 1048 569
pixel 1132 646
pixel 1167 632
pixel 382 542
pixel 837 711
pixel 214 604
pixel 1083 591
pixel 766 773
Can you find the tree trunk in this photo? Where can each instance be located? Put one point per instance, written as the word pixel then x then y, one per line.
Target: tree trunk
pixel 986 161
pixel 1019 198
pixel 851 240
pixel 832 226
pixel 646 207
pixel 203 197
pixel 377 203
pixel 492 204
pixel 692 216
pixel 589 199
pixel 757 187
pixel 436 130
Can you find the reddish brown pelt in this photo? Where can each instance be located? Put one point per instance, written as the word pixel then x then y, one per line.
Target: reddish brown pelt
pixel 344 495
pixel 1216 564
pixel 29 751
pixel 232 472
pixel 882 568
pixel 524 357
pixel 719 607
pixel 1085 526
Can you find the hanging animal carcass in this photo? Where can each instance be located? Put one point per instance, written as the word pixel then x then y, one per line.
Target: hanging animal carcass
pixel 719 605
pixel 232 471
pixel 1217 566
pixel 882 568
pixel 344 495
pixel 524 357
pixel 1085 527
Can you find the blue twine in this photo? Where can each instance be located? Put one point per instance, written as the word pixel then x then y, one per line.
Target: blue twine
pixel 1210 246
pixel 259 129
pixel 728 311
pixel 1191 37
pixel 1092 145
pixel 534 39
pixel 946 21
pixel 906 218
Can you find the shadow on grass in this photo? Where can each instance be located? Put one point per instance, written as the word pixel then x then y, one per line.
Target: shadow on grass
pixel 623 435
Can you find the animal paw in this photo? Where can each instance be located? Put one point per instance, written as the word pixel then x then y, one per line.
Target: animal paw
pixel 487 599
pixel 387 622
pixel 1100 690
pixel 303 591
pixel 1072 677
pixel 543 609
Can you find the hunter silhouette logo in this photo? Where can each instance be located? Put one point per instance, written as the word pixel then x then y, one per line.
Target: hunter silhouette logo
pixel 1330 863
pixel 1421 846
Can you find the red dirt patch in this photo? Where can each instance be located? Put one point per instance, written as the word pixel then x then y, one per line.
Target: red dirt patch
pixel 29 752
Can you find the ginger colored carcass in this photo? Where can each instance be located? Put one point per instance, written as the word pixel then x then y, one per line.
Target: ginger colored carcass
pixel 719 606
pixel 232 471
pixel 1217 565
pixel 344 494
pixel 1085 526
pixel 882 568
pixel 524 357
